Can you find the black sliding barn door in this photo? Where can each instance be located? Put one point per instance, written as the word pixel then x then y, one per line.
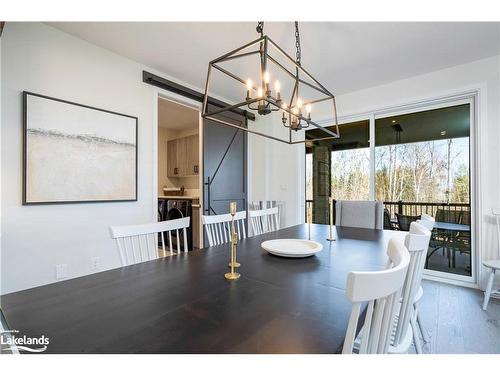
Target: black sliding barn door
pixel 224 170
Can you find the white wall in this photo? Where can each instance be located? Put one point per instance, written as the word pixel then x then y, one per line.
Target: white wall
pixel 41 59
pixel 276 170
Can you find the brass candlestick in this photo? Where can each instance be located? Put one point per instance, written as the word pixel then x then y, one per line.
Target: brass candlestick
pixel 309 218
pixel 234 241
pixel 233 275
pixel 332 236
pixel 232 211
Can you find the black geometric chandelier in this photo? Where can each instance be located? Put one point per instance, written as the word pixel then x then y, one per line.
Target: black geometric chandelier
pixel 260 99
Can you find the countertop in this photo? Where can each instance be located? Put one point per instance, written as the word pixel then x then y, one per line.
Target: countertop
pixel 189 197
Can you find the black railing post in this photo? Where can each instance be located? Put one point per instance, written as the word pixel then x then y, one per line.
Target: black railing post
pixel 400 207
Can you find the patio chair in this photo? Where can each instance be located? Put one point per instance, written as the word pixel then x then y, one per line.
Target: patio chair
pixel 388 224
pixel 404 221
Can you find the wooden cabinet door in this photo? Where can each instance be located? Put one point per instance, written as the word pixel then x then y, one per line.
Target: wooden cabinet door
pixel 172 168
pixel 181 151
pixel 192 156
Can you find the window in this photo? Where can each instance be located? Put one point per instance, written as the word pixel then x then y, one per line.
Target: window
pixel 337 167
pixel 421 166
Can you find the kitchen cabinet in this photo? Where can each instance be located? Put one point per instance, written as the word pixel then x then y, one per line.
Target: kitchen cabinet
pixel 182 151
pixel 172 169
pixel 182 156
pixel 192 157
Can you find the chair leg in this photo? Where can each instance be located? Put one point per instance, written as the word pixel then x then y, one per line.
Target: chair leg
pixel 416 339
pixel 489 286
pixel 425 337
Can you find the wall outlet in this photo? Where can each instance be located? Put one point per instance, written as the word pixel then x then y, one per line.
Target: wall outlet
pixel 95 263
pixel 61 271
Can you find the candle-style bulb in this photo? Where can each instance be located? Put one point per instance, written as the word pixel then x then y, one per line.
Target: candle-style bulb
pixel 308 109
pixel 260 92
pixel 249 89
pixel 299 103
pixel 232 208
pixel 295 110
pixel 266 77
pixel 277 86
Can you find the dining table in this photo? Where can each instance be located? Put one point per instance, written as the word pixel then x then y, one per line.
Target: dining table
pixel 183 304
pixel 445 235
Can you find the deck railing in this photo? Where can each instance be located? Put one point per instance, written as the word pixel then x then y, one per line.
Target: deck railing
pixel 449 212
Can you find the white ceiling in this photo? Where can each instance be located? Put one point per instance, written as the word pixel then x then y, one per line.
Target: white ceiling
pixel 343 56
pixel 176 116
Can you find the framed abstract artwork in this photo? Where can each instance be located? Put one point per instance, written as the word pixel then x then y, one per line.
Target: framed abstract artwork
pixel 75 153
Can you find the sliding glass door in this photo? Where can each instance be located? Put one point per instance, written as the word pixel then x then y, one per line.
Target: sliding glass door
pixel 420 164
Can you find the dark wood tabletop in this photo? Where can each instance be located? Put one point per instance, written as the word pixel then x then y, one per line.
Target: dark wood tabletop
pixel 183 304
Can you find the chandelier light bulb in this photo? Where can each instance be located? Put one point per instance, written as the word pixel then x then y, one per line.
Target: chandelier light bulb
pixel 260 93
pixel 308 109
pixel 249 89
pixel 277 86
pixel 295 110
pixel 266 77
pixel 299 103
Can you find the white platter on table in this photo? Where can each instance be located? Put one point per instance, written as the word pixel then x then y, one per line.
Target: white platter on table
pixel 292 248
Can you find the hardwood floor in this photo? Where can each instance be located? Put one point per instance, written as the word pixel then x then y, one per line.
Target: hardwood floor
pixel 455 322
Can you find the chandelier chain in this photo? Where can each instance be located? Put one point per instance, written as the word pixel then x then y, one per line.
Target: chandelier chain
pixel 297 43
pixel 260 28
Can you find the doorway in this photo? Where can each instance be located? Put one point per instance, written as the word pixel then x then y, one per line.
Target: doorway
pixel 179 166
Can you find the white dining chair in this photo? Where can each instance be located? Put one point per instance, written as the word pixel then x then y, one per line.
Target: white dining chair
pixel 264 221
pixel 261 205
pixel 359 214
pixel 429 222
pixel 492 265
pixel 218 227
pixel 417 244
pixel 138 243
pixel 7 335
pixel 382 291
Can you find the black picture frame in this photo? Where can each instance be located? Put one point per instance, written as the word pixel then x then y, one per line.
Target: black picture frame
pixel 25 202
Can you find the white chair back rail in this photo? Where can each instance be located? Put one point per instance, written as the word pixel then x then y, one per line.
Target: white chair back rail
pixel 359 214
pixel 381 290
pixel 260 205
pixel 417 243
pixel 138 243
pixel 264 221
pixel 427 221
pixel 218 227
